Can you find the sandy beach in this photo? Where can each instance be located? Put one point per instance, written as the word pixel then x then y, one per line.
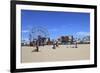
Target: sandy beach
pixel 61 53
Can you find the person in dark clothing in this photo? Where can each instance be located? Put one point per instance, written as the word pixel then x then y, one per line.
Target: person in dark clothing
pixel 57 44
pixel 54 45
pixel 75 44
pixel 37 46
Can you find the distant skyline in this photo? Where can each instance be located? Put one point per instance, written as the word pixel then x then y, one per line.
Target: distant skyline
pixel 57 23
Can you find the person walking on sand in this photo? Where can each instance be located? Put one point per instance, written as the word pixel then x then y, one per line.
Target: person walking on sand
pixel 57 45
pixel 54 44
pixel 37 46
pixel 75 44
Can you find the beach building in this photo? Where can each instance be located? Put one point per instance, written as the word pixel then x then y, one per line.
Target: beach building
pixel 65 40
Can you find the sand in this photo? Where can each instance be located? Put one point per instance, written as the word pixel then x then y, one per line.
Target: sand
pixel 61 53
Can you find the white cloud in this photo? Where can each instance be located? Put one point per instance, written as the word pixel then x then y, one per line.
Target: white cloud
pixel 82 34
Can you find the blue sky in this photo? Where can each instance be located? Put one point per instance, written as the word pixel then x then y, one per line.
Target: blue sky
pixel 57 23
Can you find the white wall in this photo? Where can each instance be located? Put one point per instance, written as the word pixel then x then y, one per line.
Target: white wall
pixel 5 37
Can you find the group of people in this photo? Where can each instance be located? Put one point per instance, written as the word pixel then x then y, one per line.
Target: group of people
pixel 55 44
